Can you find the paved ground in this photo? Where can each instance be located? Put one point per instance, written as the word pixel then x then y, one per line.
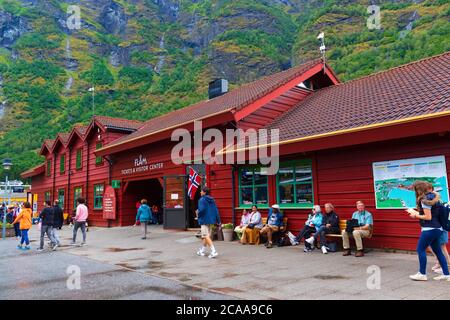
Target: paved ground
pixel 245 272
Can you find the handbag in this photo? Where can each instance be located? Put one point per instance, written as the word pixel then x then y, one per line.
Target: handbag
pixel 138 223
pixel 351 225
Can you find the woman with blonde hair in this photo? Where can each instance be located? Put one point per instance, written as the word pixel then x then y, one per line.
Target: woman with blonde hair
pixel 428 214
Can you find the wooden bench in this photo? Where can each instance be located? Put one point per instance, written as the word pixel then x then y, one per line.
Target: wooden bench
pixel 342 226
pixel 283 227
pixel 281 230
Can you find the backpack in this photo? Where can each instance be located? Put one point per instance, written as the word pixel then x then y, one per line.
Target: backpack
pixel 444 213
pixel 283 241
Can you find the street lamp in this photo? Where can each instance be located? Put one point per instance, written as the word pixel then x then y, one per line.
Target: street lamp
pixel 7 164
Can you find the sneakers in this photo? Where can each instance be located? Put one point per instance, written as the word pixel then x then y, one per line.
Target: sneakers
pixel 40 250
pixel 441 278
pixel 438 271
pixel 269 245
pixel 213 255
pixel 324 250
pixel 19 247
pixel 55 247
pixel 72 244
pixel 83 244
pixel 310 240
pixel 307 250
pixel 419 277
pixel 201 253
pixel 27 248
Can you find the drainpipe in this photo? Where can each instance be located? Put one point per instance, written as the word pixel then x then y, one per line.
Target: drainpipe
pixel 87 172
pixel 69 173
pixel 233 189
pixel 54 179
pixel 110 163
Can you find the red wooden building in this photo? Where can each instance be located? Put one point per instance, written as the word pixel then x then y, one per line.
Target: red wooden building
pixel 71 168
pixel 333 136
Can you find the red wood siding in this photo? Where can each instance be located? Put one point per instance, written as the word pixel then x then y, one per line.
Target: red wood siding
pixel 345 175
pixel 158 153
pixel 342 176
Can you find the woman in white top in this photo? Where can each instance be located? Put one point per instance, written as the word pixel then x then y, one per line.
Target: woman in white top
pixel 251 232
pixel 245 220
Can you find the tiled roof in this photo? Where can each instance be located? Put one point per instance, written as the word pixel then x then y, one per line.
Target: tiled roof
pixel 49 143
pixel 64 137
pixel 118 123
pixel 33 171
pixel 236 99
pixel 415 89
pixel 81 129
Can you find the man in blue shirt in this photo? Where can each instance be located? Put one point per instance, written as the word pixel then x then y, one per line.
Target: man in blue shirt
pixel 365 221
pixel 274 223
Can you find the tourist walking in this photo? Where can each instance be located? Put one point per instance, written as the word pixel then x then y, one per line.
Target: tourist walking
pixel 24 221
pixel 58 221
pixel 144 216
pixel 46 217
pixel 208 216
pixel 79 221
pixel 428 215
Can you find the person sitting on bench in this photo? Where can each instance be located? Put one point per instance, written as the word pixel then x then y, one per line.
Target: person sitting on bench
pixel 330 225
pixel 250 234
pixel 274 223
pixel 311 226
pixel 365 221
pixel 245 220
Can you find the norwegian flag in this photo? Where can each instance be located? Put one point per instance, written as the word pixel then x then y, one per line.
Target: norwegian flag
pixel 194 183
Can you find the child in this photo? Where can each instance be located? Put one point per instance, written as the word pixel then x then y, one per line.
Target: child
pixel 24 218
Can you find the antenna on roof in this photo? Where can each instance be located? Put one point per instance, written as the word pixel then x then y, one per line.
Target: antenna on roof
pixel 323 49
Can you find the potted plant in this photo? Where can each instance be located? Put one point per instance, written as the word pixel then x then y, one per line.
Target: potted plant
pixel 228 230
pixel 9 229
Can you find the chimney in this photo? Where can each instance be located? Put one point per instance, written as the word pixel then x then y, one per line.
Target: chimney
pixel 217 88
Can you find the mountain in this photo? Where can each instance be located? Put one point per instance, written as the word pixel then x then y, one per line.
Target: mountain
pixel 148 57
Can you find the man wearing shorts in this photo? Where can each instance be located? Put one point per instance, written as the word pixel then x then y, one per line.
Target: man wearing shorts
pixel 208 216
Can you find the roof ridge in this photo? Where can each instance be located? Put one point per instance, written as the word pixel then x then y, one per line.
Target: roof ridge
pixel 115 118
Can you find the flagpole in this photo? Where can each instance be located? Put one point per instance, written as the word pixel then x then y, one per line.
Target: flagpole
pixel 93 100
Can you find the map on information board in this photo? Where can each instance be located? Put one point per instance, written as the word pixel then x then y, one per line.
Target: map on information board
pixel 393 180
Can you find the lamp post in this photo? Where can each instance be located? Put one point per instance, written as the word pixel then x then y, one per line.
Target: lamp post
pixel 7 164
